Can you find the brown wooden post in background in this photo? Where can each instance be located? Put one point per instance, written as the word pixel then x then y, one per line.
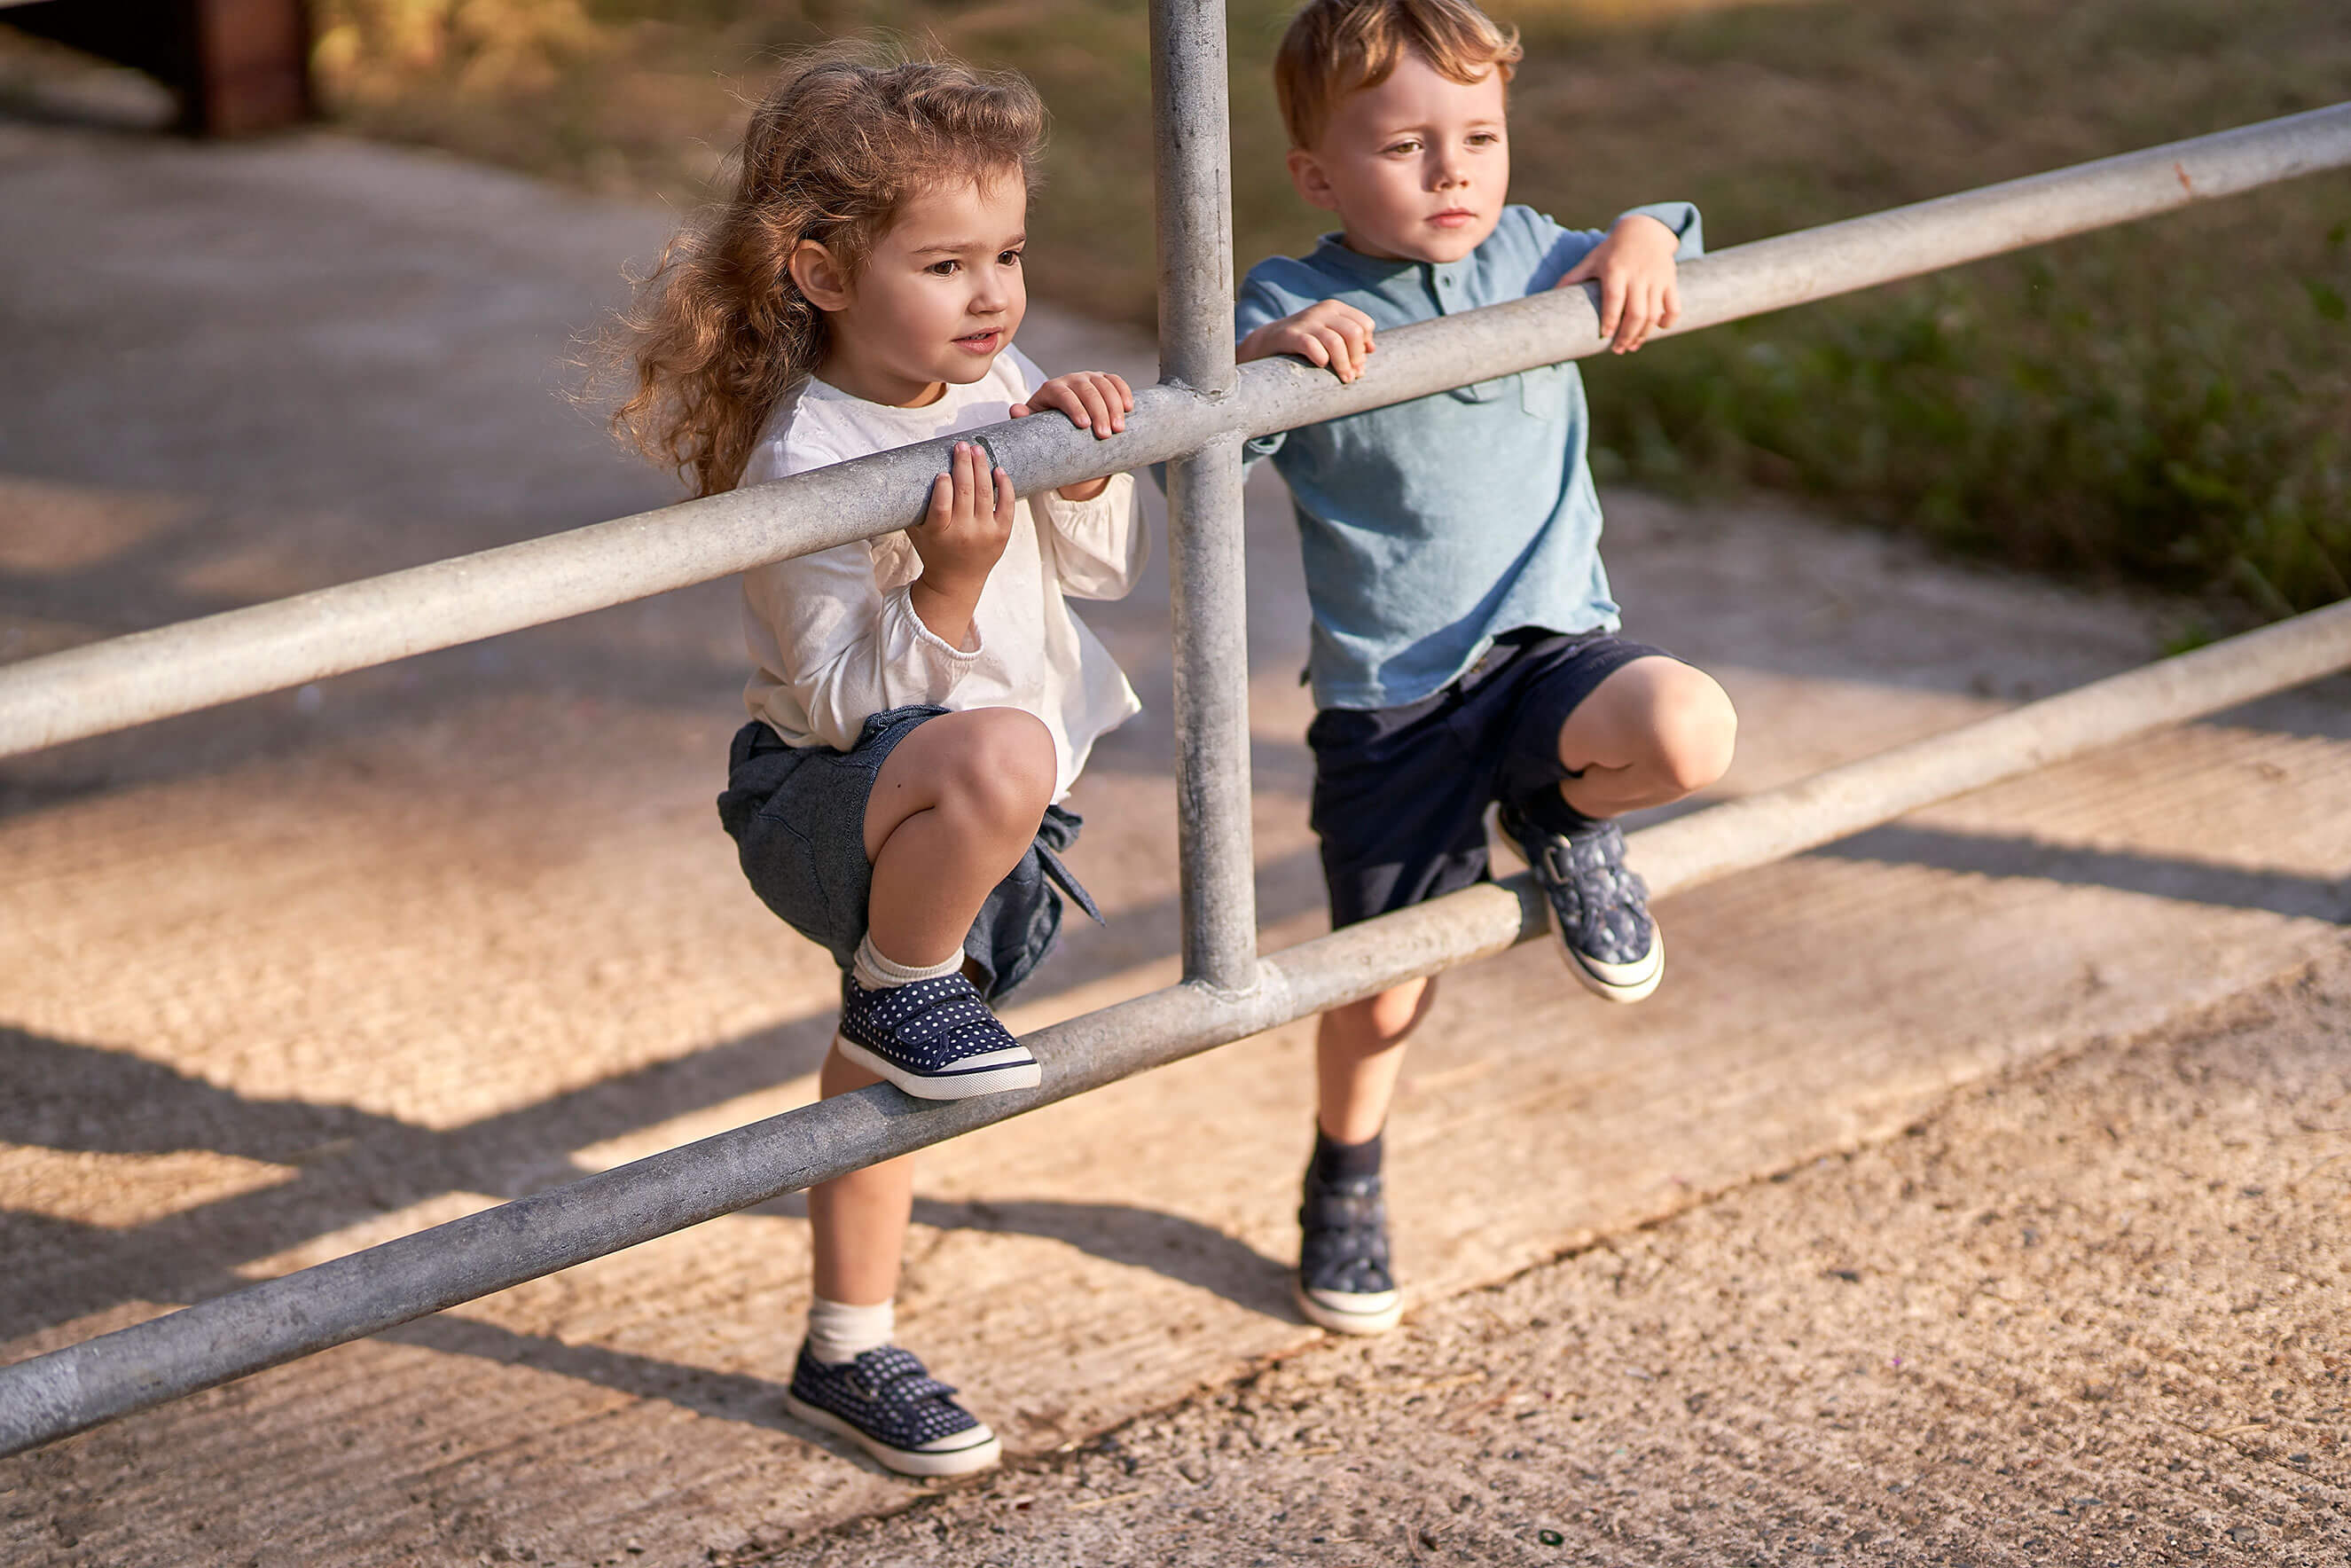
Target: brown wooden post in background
pixel 238 66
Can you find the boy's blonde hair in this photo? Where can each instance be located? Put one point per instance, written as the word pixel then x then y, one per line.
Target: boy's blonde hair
pixel 719 332
pixel 1335 48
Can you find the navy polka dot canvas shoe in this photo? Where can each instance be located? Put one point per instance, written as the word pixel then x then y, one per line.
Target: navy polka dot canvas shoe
pixel 933 1038
pixel 1599 908
pixel 886 1404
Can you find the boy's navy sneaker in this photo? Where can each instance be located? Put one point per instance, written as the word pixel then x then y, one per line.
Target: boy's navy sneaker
pixel 933 1038
pixel 1343 1283
pixel 886 1404
pixel 1600 909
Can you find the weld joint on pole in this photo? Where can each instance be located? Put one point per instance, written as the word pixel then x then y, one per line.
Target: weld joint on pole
pixel 1226 995
pixel 1212 397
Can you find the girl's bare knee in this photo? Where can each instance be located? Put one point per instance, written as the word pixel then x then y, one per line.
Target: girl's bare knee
pixel 1001 771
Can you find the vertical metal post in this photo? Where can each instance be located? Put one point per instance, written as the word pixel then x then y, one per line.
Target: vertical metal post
pixel 1193 170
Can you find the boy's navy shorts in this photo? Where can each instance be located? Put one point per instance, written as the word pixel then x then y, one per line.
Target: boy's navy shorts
pixel 1400 793
pixel 797 815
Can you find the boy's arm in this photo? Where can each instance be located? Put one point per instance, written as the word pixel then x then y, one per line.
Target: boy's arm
pixel 1265 325
pixel 1635 267
pixel 1328 333
pixel 1682 219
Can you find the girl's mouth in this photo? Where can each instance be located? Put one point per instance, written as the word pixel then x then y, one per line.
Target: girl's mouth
pixel 986 342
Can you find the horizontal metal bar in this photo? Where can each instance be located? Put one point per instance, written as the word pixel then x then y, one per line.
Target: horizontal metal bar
pixel 242 652
pixel 66 1391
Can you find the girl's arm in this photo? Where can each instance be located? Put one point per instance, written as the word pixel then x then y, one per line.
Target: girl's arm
pixel 1098 401
pixel 1101 546
pixel 878 625
pixel 1099 543
pixel 851 646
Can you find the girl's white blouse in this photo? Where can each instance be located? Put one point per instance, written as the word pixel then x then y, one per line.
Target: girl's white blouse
pixel 833 636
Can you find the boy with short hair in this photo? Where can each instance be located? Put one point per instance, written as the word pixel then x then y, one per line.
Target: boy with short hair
pixel 1465 647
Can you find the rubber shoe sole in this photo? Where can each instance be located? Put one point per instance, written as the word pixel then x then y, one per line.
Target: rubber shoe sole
pixel 1380 1312
pixel 985 1454
pixel 1616 982
pixel 964 1084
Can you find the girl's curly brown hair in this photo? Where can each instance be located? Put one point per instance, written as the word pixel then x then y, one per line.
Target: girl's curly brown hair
pixel 718 332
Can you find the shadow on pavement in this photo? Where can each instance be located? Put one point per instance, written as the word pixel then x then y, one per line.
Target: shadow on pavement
pixel 2158 876
pixel 355 1165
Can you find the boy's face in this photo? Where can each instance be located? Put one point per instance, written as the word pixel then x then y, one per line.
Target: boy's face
pixel 1417 168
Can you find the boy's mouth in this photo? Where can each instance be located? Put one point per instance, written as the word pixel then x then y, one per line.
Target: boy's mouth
pixel 1453 218
pixel 986 342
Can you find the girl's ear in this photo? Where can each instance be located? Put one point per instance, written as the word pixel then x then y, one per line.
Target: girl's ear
pixel 819 276
pixel 1312 182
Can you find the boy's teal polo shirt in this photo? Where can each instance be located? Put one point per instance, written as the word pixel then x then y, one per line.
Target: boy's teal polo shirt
pixel 1432 525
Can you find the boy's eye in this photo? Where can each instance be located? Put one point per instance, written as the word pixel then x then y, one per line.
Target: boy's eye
pixel 1483 139
pixel 1409 144
pixel 1008 258
pixel 943 268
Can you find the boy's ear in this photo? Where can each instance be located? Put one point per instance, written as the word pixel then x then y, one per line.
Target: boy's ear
pixel 1306 173
pixel 818 276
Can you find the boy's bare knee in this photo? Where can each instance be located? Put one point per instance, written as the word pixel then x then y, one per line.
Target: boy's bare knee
pixel 1378 1022
pixel 1696 731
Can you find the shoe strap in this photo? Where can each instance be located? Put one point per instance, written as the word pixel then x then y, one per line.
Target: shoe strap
pixel 894 1375
pixel 1574 860
pixel 932 997
pixel 1340 1209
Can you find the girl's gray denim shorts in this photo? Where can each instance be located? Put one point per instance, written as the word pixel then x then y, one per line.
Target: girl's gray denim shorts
pixel 797 815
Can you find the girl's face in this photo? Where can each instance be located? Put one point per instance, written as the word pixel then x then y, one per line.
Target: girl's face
pixel 939 296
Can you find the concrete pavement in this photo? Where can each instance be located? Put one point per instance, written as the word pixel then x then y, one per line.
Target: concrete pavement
pixel 334 965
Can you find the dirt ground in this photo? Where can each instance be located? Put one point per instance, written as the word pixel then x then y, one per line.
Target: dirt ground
pixel 335 965
pixel 2093 1313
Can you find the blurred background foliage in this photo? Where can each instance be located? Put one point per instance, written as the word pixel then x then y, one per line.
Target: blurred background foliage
pixel 2168 404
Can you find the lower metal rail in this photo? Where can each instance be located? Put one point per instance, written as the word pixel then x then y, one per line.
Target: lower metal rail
pixel 55 1396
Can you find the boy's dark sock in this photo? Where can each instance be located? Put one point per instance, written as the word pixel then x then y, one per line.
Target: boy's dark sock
pixel 1345 1162
pixel 1546 810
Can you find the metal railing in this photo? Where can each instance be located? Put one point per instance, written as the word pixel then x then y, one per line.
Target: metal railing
pixel 1195 420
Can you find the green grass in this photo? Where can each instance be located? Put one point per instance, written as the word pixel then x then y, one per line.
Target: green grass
pixel 2167 403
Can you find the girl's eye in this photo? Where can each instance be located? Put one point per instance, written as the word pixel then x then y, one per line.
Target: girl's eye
pixel 1484 139
pixel 1008 258
pixel 1406 146
pixel 943 268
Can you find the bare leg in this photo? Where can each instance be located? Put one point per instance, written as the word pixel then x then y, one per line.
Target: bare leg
pixel 953 809
pixel 860 1220
pixel 1358 1051
pixel 1648 735
pixel 1343 1283
pixel 951 813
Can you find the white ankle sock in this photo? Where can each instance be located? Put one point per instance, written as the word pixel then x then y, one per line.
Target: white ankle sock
pixel 876 973
pixel 839 1332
